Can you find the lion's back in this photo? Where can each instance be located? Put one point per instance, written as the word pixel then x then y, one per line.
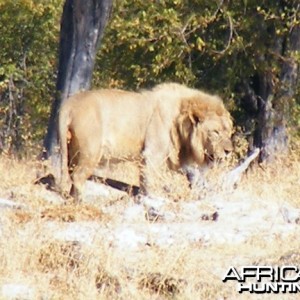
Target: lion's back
pixel 121 116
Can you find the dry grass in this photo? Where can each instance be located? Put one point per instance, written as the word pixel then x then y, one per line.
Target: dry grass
pixel 31 255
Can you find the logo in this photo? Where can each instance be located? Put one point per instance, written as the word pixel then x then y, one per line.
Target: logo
pixel 265 279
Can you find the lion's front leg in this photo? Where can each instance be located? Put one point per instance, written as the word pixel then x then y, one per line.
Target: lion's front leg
pixel 152 171
pixel 156 156
pixel 148 180
pixel 143 177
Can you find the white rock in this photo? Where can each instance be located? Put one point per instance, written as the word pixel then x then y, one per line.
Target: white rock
pixel 5 203
pixel 134 213
pixel 156 203
pixel 83 232
pixel 17 291
pixel 92 188
pixel 127 237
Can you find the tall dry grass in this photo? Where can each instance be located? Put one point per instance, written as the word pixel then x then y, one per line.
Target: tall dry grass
pixel 49 268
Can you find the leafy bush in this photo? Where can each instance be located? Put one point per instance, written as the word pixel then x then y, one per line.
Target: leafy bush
pixel 214 45
pixel 29 40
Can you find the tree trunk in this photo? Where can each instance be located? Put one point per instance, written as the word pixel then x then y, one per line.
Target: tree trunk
pixel 271 132
pixel 82 27
pixel 269 96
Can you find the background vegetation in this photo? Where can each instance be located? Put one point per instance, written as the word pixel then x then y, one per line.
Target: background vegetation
pixel 214 45
pixel 29 40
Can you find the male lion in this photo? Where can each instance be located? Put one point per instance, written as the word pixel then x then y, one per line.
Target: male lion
pixel 169 126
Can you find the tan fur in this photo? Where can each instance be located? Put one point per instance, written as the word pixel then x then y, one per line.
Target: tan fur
pixel 170 125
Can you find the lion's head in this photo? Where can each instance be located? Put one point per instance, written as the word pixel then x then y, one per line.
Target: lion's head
pixel 203 130
pixel 212 138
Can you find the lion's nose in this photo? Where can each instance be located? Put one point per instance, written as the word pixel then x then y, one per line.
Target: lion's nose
pixel 227 152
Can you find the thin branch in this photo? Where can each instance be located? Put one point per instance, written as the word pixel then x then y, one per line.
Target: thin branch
pixel 229 38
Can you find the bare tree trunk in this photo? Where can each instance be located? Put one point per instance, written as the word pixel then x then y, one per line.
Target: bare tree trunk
pixel 82 27
pixel 271 132
pixel 269 95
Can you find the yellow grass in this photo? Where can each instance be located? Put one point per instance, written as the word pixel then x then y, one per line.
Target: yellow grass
pixel 32 256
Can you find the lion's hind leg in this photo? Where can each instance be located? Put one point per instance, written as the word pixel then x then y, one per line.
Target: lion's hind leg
pixel 88 158
pixel 81 173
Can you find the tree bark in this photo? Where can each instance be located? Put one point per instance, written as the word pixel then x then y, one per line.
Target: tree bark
pixel 269 95
pixel 271 132
pixel 82 27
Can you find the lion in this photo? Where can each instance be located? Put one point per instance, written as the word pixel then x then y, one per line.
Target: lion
pixel 169 126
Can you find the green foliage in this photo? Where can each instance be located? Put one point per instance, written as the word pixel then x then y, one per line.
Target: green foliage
pixel 143 44
pixel 29 40
pixel 210 44
pixel 214 45
pixel 167 40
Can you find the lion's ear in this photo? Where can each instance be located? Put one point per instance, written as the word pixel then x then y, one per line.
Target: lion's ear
pixel 195 119
pixel 182 129
pixel 186 124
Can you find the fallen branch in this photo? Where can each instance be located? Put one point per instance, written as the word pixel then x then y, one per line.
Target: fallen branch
pixel 234 176
pixel 202 182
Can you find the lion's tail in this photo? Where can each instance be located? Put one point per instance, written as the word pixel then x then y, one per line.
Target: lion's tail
pixel 64 122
